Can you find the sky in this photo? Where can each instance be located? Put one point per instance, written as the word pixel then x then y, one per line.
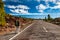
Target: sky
pixel 33 7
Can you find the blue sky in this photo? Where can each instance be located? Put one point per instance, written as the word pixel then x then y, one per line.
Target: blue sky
pixel 33 7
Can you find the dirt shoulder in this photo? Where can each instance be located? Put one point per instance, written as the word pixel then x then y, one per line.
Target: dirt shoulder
pixel 8 30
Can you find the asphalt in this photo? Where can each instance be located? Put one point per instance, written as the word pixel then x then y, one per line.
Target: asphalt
pixel 7 36
pixel 40 30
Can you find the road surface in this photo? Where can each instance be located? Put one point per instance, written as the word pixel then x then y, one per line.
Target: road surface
pixel 7 37
pixel 39 30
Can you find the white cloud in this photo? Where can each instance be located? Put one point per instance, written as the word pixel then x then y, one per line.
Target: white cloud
pixel 19 6
pixel 23 11
pixel 18 9
pixel 22 6
pixel 40 11
pixel 57 6
pixel 58 3
pixel 41 7
pixel 11 6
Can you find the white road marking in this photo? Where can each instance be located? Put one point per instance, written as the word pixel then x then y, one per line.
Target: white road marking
pixel 45 29
pixel 20 32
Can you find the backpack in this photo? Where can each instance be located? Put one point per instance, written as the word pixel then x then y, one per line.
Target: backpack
pixel 17 23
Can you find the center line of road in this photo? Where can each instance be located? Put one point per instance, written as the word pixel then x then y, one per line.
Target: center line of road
pixel 45 29
pixel 20 32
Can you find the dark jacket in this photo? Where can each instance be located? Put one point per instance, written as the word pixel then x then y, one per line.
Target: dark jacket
pixel 17 23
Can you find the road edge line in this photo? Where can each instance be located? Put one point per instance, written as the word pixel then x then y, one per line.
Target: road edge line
pixel 20 32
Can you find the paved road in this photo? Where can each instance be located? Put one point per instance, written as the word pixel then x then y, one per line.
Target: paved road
pixel 7 37
pixel 40 30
